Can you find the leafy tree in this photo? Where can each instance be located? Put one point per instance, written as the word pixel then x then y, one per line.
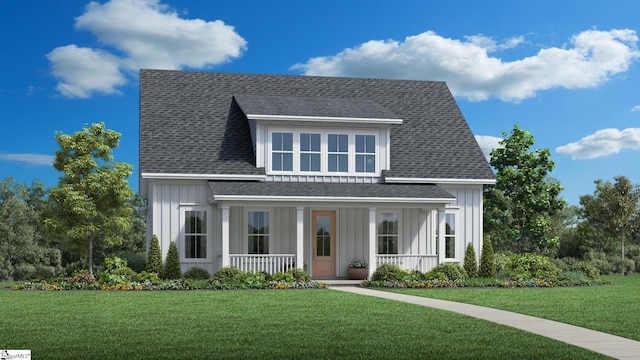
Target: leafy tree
pixel 614 209
pixel 487 260
pixel 470 262
pixel 91 202
pixel 172 266
pixel 519 206
pixel 154 260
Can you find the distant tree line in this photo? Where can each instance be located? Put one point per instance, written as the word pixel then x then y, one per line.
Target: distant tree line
pixel 523 211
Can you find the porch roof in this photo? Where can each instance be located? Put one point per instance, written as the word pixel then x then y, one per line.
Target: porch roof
pixel 328 192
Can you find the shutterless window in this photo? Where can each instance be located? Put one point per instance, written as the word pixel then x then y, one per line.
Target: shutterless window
pixel 388 233
pixel 310 152
pixel 281 151
pixel 450 236
pixel 195 234
pixel 338 152
pixel 258 232
pixel 365 153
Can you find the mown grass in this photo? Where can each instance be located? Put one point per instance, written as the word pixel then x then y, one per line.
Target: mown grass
pixel 284 324
pixel 613 309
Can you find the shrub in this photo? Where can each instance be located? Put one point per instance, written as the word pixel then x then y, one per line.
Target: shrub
pixel 388 272
pixel 623 266
pixel 23 272
pixel 196 273
pixel 256 279
pixel 451 271
pixel 587 269
pixel 470 262
pixel 83 277
pixel 487 260
pixel 228 274
pixel 172 269
pixel 415 275
pixel 136 261
pixel 44 272
pixel 154 260
pixel 116 272
pixel 285 277
pixel 299 275
pixel 532 266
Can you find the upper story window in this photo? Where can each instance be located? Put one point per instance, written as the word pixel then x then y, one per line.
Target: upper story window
pixel 338 152
pixel 310 152
pixel 324 152
pixel 282 151
pixel 365 153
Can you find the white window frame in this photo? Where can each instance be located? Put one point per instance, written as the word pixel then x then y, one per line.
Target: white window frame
pixel 324 153
pixel 378 221
pixel 207 234
pixel 246 230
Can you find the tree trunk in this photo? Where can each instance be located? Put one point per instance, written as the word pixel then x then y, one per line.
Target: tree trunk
pixel 90 255
pixel 622 246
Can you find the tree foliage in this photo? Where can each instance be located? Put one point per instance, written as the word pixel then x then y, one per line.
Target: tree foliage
pixel 487 260
pixel 91 202
pixel 172 265
pixel 614 210
pixel 519 206
pixel 154 259
pixel 470 262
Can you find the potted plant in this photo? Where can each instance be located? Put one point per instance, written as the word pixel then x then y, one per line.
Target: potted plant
pixel 358 269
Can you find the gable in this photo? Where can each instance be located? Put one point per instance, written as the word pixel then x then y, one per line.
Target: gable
pixel 190 124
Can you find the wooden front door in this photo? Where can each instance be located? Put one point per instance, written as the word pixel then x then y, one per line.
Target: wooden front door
pixel 324 243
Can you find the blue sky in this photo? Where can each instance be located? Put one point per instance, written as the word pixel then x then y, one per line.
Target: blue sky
pixel 568 71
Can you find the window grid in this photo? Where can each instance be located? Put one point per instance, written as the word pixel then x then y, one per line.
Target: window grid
pixel 310 153
pixel 195 235
pixel 338 152
pixel 365 153
pixel 258 232
pixel 282 151
pixel 388 233
pixel 450 236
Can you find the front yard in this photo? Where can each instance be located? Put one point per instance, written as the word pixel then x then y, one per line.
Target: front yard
pixel 258 324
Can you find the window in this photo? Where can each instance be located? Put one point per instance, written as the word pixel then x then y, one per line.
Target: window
pixel 338 152
pixel 258 232
pixel 195 234
pixel 282 151
pixel 388 233
pixel 450 236
pixel 310 152
pixel 365 153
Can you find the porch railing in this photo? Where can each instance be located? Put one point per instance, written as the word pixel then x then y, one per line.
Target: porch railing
pixel 422 263
pixel 270 263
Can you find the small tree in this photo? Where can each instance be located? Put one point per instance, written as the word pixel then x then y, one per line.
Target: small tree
pixel 470 262
pixel 487 260
pixel 154 259
pixel 172 266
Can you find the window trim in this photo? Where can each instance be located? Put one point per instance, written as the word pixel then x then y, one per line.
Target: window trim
pixel 399 235
pixel 208 233
pixel 245 224
pixel 324 153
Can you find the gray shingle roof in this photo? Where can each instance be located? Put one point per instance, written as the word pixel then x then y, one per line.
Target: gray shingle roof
pixel 365 191
pixel 312 106
pixel 190 124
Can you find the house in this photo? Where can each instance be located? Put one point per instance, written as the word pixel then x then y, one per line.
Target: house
pixel 268 172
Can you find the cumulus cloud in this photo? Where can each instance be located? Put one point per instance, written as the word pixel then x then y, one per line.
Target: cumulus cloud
pixel 28 159
pixel 487 144
pixel 635 108
pixel 602 143
pixel 143 34
pixel 471 72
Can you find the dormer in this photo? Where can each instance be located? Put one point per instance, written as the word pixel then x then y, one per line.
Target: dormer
pixel 319 138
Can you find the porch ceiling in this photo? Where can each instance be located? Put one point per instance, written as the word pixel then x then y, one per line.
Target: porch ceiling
pixel 328 192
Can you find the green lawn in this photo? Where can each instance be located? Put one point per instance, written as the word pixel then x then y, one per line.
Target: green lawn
pixel 284 324
pixel 613 309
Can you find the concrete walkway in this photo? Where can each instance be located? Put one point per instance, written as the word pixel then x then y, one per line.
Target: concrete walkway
pixel 603 343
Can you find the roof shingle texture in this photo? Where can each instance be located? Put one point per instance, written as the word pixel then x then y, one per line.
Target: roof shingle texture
pixel 190 124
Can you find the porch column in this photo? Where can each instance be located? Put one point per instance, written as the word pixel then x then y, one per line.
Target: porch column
pixel 442 230
pixel 299 237
pixel 372 242
pixel 225 235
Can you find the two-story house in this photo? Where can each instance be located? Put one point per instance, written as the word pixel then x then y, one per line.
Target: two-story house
pixel 266 172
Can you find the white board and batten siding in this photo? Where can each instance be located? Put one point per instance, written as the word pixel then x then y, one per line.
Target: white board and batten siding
pixel 468 207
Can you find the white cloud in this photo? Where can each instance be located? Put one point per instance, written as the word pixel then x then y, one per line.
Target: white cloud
pixel 471 72
pixel 635 108
pixel 602 143
pixel 488 143
pixel 148 34
pixel 28 159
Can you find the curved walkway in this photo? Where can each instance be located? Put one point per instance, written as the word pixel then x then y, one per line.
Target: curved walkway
pixel 603 343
